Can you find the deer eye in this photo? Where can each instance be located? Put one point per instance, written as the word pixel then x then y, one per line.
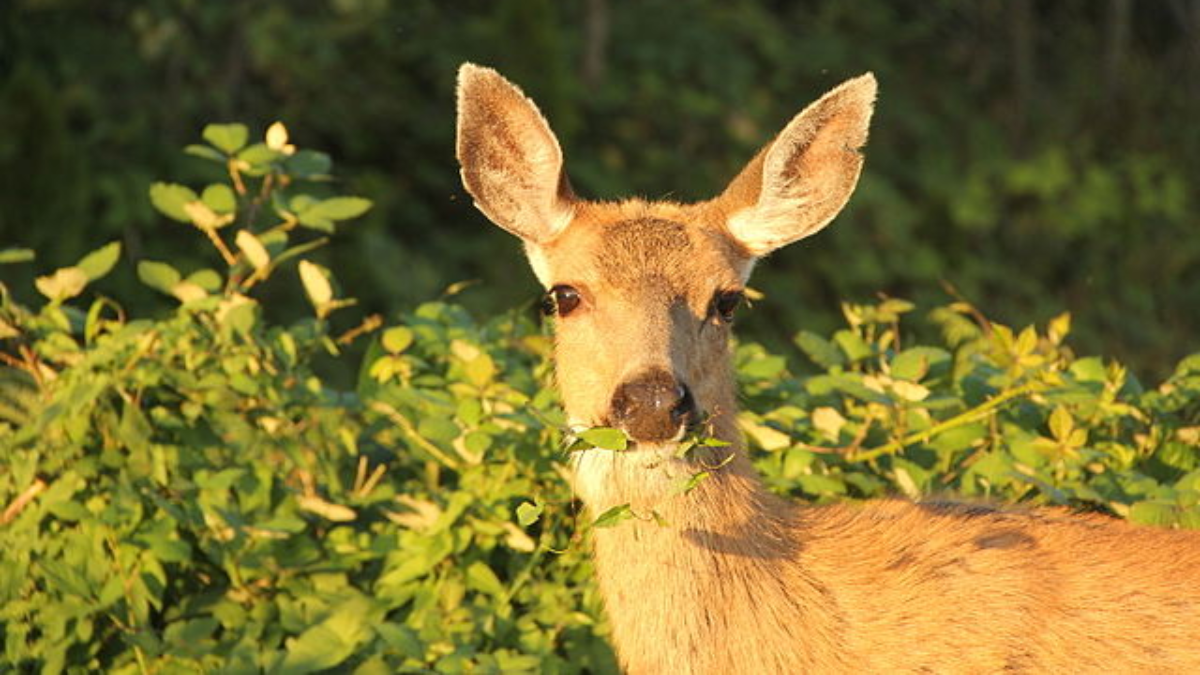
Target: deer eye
pixel 724 303
pixel 560 300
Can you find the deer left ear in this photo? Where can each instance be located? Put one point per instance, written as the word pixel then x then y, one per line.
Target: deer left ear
pixel 797 184
pixel 511 162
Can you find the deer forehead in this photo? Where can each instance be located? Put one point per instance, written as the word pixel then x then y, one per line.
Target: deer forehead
pixel 673 250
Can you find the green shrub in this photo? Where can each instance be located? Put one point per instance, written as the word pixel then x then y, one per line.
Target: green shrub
pixel 186 494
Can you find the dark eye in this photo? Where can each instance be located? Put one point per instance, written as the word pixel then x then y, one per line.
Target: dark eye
pixel 724 303
pixel 560 300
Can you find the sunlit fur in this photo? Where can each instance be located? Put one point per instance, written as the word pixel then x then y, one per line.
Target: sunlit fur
pixel 732 579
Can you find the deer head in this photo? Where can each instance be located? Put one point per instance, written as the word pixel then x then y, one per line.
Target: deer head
pixel 644 293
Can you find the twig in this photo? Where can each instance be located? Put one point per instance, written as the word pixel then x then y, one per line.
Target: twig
pixel 14 509
pixel 978 412
pixel 409 430
pixel 985 324
pixel 848 449
pixel 230 258
pixel 369 324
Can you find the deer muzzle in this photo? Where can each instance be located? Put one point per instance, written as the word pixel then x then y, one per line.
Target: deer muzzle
pixel 653 407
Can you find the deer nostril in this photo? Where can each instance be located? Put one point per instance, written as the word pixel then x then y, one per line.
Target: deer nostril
pixel 685 405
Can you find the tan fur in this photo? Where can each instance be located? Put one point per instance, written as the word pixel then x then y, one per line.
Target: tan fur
pixel 739 581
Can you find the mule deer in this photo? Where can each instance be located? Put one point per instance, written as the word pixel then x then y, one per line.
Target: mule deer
pixel 740 581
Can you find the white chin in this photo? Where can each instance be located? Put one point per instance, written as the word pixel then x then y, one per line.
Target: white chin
pixel 606 478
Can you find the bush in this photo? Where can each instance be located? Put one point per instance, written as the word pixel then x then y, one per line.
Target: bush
pixel 187 493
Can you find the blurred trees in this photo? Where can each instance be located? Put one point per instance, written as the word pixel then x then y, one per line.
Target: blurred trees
pixel 1036 156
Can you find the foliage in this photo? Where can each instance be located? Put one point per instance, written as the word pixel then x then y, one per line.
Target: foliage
pixel 1039 155
pixel 186 494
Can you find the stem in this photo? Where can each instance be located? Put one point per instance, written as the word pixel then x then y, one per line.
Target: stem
pixel 962 419
pixel 230 259
pixel 14 509
pixel 409 430
pixel 369 324
pixel 236 176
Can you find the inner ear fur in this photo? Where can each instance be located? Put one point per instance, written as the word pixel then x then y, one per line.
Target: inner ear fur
pixel 510 160
pixel 797 183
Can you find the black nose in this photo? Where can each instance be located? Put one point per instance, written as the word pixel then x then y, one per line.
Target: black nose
pixel 653 406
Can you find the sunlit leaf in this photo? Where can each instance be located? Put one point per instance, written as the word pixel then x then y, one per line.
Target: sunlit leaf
pixel 228 138
pixel 614 516
pixel 316 284
pixel 528 513
pixel 397 339
pixel 158 275
pixel 605 438
pixel 99 262
pixel 171 199
pixel 63 284
pixel 253 249
pixel 220 198
pixel 277 136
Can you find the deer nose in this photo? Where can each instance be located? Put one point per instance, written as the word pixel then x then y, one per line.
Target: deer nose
pixel 653 406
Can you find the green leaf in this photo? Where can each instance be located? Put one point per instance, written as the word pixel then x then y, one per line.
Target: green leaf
pixel 64 284
pixel 817 484
pixel 1089 369
pixel 915 363
pixel 322 214
pixel 959 438
pixel 480 577
pixel 614 516
pixel 763 367
pixel 821 351
pixel 481 370
pixel 99 262
pixel 207 279
pixel 692 482
pixel 259 158
pixel 1153 513
pixel 205 152
pixel 605 438
pixel 397 339
pixel 855 348
pixel 528 513
pixel 16 255
pixel 327 644
pixel 158 275
pixel 308 164
pixel 1061 424
pixel 893 307
pixel 228 138
pixel 171 198
pixel 220 198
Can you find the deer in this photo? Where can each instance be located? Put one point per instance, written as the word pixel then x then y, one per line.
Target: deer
pixel 735 579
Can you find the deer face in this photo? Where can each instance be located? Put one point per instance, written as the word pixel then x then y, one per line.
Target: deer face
pixel 643 297
pixel 643 293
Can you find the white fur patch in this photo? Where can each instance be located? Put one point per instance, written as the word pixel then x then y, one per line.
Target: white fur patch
pixel 770 225
pixel 642 477
pixel 537 260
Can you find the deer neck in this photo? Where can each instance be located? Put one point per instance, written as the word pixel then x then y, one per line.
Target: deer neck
pixel 691 572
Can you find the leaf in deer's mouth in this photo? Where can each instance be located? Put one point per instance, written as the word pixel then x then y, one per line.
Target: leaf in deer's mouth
pixel 604 438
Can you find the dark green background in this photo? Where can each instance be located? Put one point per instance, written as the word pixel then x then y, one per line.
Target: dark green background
pixel 1039 156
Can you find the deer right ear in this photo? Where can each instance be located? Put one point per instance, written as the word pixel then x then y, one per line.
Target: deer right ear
pixel 802 179
pixel 511 162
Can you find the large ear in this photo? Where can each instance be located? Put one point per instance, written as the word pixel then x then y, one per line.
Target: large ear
pixel 802 179
pixel 511 162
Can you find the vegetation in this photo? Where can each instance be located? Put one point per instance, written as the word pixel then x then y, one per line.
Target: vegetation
pixel 1039 156
pixel 186 492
